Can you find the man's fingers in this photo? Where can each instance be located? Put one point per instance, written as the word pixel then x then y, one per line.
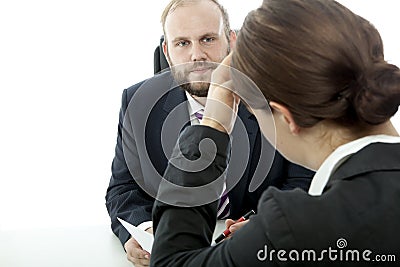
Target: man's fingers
pixel 139 257
pixel 136 254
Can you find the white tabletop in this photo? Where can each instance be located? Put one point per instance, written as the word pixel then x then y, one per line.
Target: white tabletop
pixel 65 247
pixel 62 247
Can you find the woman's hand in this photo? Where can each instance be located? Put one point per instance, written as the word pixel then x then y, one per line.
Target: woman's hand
pixel 222 104
pixel 233 226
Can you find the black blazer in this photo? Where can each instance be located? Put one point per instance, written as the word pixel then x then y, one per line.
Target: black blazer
pixel 358 210
pixel 147 157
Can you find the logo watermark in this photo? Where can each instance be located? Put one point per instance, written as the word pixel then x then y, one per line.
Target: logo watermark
pixel 340 254
pixel 147 144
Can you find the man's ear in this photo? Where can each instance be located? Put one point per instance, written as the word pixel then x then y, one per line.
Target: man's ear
pixel 287 116
pixel 232 39
pixel 165 50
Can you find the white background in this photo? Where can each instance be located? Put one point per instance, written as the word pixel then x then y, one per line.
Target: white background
pixel 63 66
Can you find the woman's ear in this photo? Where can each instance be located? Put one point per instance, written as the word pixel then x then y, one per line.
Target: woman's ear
pixel 287 116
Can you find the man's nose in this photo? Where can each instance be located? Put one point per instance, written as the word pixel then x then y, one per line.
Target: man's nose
pixel 198 53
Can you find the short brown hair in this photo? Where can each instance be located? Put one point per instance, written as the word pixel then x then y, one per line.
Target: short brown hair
pixel 320 60
pixel 174 4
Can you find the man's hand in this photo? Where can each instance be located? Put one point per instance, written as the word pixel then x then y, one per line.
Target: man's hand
pixel 135 253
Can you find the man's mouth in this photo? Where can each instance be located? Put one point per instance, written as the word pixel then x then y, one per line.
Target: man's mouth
pixel 200 70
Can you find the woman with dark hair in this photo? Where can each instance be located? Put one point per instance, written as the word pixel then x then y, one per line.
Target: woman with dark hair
pixel 322 71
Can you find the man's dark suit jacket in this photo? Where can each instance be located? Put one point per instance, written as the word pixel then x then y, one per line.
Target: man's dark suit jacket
pixel 358 210
pixel 127 200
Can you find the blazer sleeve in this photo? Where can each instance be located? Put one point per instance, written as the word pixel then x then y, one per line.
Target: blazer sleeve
pixel 124 197
pixel 183 234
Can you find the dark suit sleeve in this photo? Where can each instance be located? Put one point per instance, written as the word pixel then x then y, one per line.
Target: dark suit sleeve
pixel 124 198
pixel 183 234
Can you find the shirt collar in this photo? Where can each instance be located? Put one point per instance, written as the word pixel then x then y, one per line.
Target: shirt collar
pixel 193 105
pixel 340 155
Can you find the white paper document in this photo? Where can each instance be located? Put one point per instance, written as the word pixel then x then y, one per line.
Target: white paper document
pixel 144 238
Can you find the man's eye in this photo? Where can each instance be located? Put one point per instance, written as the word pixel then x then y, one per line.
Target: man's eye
pixel 208 39
pixel 182 43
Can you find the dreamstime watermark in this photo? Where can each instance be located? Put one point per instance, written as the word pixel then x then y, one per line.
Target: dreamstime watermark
pixel 338 254
pixel 156 115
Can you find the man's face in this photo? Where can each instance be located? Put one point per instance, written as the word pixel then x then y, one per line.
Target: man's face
pixel 195 36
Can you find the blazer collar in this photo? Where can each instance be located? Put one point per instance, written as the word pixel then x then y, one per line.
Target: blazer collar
pixel 175 97
pixel 175 105
pixel 374 157
pixel 351 152
pixel 234 182
pixel 248 119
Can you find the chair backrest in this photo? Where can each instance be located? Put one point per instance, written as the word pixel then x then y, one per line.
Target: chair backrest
pixel 160 62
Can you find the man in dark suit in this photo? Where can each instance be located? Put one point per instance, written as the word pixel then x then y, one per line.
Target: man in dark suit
pixel 154 112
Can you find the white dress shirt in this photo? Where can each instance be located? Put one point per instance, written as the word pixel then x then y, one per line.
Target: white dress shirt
pixel 193 107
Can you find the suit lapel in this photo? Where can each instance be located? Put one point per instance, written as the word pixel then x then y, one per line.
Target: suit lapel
pixel 250 122
pixel 175 97
pixel 372 158
pixel 173 118
pixel 176 103
pixel 236 166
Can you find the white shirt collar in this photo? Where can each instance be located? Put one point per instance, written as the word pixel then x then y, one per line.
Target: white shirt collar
pixel 340 155
pixel 193 105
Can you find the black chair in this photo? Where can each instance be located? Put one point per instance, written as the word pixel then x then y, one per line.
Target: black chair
pixel 160 62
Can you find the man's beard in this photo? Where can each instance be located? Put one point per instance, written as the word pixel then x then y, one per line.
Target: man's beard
pixel 199 89
pixel 200 86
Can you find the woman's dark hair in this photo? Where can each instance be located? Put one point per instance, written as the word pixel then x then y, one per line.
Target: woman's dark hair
pixel 320 60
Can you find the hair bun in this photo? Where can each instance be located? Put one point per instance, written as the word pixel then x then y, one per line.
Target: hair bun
pixel 379 96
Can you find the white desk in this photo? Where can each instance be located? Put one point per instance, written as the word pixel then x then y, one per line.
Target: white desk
pixel 62 247
pixel 65 247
